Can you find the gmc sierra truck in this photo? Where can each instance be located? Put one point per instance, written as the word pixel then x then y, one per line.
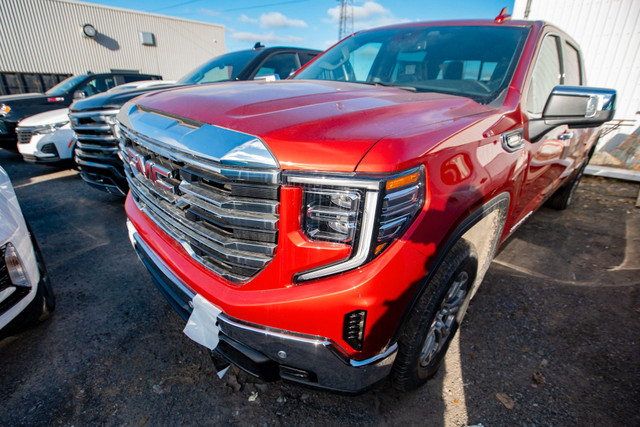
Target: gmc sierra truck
pixel 331 229
pixel 91 119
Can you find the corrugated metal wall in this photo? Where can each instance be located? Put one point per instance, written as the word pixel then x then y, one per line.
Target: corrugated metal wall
pixel 608 32
pixel 45 36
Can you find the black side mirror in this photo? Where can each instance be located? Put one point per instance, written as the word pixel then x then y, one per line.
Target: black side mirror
pixel 579 106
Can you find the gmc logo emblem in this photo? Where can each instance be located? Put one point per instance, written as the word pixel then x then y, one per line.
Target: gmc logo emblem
pixel 152 171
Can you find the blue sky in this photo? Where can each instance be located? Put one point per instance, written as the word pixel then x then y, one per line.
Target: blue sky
pixel 307 23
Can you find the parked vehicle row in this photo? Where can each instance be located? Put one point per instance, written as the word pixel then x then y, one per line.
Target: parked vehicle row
pixel 92 118
pixel 48 137
pixel 14 108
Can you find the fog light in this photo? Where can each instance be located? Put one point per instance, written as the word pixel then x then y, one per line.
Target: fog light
pixel 353 329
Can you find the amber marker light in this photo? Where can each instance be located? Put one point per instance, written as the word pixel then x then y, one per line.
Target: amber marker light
pixel 402 181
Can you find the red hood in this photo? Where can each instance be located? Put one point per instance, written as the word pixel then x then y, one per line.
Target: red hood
pixel 313 125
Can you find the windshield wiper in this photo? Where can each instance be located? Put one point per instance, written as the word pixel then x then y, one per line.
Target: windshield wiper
pixel 387 84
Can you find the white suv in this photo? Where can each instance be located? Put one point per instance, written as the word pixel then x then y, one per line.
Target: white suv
pixel 26 295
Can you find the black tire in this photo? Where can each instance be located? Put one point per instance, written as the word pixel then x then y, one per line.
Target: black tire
pixel 561 199
pixel 418 359
pixel 49 298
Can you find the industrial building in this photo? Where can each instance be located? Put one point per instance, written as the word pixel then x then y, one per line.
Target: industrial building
pixel 609 35
pixel 45 41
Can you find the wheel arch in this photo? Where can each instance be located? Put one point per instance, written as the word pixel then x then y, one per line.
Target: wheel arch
pixel 493 215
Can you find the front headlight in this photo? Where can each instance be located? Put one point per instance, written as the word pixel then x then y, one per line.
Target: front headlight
pixel 365 212
pixel 50 127
pixel 16 271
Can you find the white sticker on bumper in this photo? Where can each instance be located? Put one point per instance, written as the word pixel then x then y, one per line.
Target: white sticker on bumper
pixel 201 326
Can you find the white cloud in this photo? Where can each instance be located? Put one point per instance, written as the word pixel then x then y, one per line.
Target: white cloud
pixel 278 20
pixel 245 18
pixel 327 44
pixel 208 12
pixel 370 14
pixel 266 38
pixel 367 11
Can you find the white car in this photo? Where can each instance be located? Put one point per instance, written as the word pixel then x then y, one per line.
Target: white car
pixel 26 294
pixel 46 137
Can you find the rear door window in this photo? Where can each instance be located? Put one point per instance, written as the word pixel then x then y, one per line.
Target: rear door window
pixel 98 85
pixel 545 76
pixel 572 74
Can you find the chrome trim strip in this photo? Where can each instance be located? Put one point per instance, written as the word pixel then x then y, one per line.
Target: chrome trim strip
pixel 224 202
pixel 104 127
pixel 208 142
pixel 331 181
pixel 259 222
pixel 254 176
pixel 103 148
pixel 160 264
pixel 88 137
pixel 94 113
pixel 83 162
pixel 387 353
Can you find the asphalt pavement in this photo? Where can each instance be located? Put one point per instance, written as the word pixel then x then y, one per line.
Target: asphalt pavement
pixel 551 338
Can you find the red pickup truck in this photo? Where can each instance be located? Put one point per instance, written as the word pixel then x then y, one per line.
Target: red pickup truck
pixel 332 228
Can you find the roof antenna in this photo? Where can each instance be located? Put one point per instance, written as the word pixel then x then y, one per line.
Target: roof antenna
pixel 502 16
pixel 257 46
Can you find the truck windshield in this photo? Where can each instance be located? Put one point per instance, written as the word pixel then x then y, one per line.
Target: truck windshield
pixel 220 68
pixel 475 61
pixel 65 86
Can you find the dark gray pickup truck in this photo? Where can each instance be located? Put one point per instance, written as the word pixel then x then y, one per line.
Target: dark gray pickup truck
pixel 14 108
pixel 92 118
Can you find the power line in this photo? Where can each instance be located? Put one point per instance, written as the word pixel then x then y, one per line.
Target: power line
pixel 230 10
pixel 263 5
pixel 184 3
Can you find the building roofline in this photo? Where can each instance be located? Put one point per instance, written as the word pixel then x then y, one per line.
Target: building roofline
pixel 138 12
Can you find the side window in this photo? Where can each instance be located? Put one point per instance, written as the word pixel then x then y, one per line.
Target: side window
pixel 98 85
pixel 545 76
pixel 281 64
pixel 572 75
pixel 306 57
pixel 128 78
pixel 217 74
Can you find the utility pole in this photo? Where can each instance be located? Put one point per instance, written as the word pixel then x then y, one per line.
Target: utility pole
pixel 346 17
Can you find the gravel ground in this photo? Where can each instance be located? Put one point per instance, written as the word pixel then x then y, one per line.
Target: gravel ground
pixel 551 338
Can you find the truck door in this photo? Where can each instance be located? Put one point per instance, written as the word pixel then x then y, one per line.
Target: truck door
pixel 549 155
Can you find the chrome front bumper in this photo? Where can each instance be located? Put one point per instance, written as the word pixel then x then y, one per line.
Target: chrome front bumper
pixel 267 353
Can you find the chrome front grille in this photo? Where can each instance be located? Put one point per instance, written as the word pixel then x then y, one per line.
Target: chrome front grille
pixel 24 135
pixel 225 216
pixel 94 133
